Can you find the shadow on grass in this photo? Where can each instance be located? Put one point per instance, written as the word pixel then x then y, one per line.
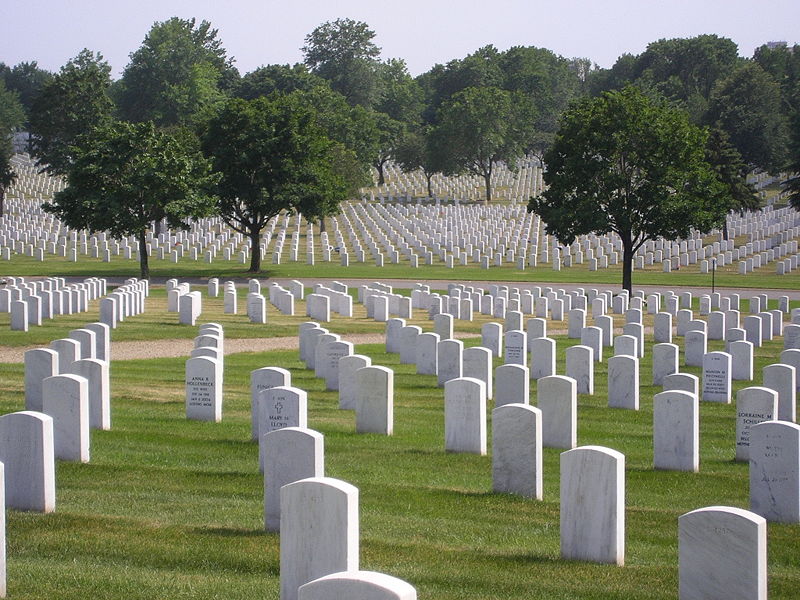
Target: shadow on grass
pixel 235 532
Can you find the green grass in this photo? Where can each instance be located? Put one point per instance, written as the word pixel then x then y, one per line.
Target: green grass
pixel 169 508
pixel 728 276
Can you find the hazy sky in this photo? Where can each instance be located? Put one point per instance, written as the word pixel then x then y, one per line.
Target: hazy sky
pixel 423 32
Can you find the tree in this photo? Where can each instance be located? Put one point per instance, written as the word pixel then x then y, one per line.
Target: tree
pixel 792 184
pixel 747 105
pixel 343 53
pixel 732 173
pixel 26 79
pixel 421 149
pixel 127 175
pixel 271 156
pixel 179 71
pixel 68 106
pixel 277 79
pixel 12 116
pixel 624 163
pixel 483 127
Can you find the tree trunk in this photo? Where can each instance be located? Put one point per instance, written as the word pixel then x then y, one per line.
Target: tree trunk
pixel 144 266
pixel 322 224
pixel 627 263
pixel 255 250
pixel 2 199
pixel 157 228
pixel 487 177
pixel 381 179
pixel 430 189
pixel 724 228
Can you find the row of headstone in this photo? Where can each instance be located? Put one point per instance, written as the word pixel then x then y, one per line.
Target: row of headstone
pixel 127 300
pixel 31 303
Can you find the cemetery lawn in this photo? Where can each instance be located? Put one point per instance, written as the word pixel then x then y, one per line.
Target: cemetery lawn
pixel 170 508
pixel 728 276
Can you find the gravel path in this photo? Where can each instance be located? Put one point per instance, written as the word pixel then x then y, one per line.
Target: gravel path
pixel 183 347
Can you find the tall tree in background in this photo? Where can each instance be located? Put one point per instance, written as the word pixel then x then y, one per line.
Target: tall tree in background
pixel 12 116
pixel 421 149
pixel 747 105
pixel 482 127
pixel 26 79
pixel 792 185
pixel 68 106
pixel 127 175
pixel 732 171
pixel 624 163
pixel 276 79
pixel 271 156
pixel 343 53
pixel 180 70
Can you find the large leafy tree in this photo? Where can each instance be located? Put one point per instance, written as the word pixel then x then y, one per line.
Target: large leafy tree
pixel 12 116
pixel 732 171
pixel 747 105
pixel 482 127
pixel 26 79
pixel 179 71
pixel 421 149
pixel 127 175
pixel 343 53
pixel 792 184
pixel 622 162
pixel 272 156
pixel 68 106
pixel 276 79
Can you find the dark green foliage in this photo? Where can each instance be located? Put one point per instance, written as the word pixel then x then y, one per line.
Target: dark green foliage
pixel 73 102
pixel 180 70
pixel 127 175
pixel 792 185
pixel 343 53
pixel 481 127
pixel 277 79
pixel 624 163
pixel 421 149
pixel 731 171
pixel 26 79
pixel 747 105
pixel 271 156
pixel 11 117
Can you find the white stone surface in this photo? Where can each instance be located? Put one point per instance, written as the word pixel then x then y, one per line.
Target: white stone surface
pixel 753 405
pixel 65 398
pixel 517 450
pixel 319 531
pixel 260 380
pixel 543 357
pixel 593 505
pixel 39 364
pixel 465 416
pixel 203 389
pixel 98 389
pixel 27 451
pixel 290 454
pixel 722 553
pixel 717 377
pixel 741 352
pixel 676 431
pixel 348 384
pixel 665 361
pixel 477 363
pixel 449 360
pixel 357 585
pixel 513 385
pixel 515 347
pixel 428 354
pixel 556 397
pixel 775 471
pixel 375 400
pixel 783 379
pixel 623 382
pixel 580 367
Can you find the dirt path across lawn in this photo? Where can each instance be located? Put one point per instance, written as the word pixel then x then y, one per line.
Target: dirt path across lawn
pixel 182 347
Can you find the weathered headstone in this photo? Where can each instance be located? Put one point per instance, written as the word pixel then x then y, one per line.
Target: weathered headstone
pixel 717 377
pixel 65 398
pixel 775 471
pixel 260 380
pixel 623 382
pixel 375 400
pixel 557 398
pixel 39 364
pixel 593 505
pixel 580 367
pixel 477 362
pixel 722 553
pixel 676 431
pixel 357 585
pixel 449 360
pixel 319 531
pixel 465 416
pixel 204 389
pixel 753 405
pixel 783 379
pixel 290 454
pixel 98 390
pixel 513 385
pixel 28 455
pixel 517 450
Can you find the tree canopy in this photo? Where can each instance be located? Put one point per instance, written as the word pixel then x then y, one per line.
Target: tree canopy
pixel 12 116
pixel 180 69
pixel 271 156
pixel 482 127
pixel 624 163
pixel 127 175
pixel 26 79
pixel 343 53
pixel 73 102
